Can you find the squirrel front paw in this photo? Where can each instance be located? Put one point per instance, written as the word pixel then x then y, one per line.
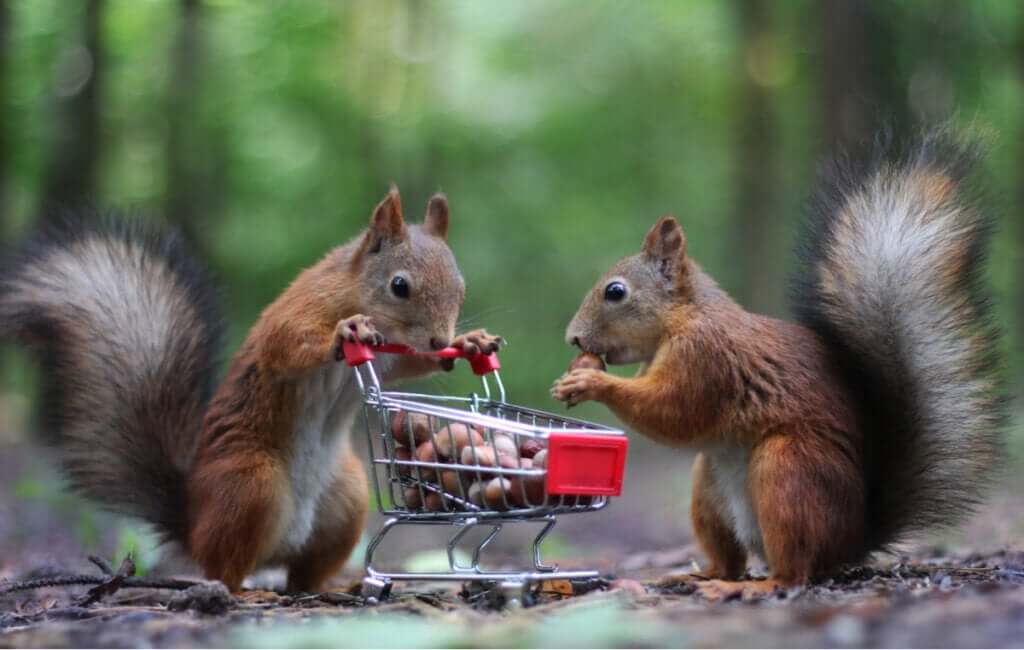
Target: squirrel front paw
pixel 472 343
pixel 580 385
pixel 355 329
pixel 477 341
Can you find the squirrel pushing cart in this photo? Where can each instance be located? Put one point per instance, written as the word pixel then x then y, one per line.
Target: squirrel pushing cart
pixel 478 462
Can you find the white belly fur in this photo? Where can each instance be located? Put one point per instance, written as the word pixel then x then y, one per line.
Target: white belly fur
pixel 729 466
pixel 329 399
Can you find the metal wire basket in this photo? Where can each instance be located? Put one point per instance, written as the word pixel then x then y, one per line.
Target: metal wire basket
pixel 478 462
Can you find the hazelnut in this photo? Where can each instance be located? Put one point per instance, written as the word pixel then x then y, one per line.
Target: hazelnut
pixel 587 360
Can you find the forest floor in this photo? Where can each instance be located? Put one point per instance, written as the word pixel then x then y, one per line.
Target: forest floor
pixel 929 601
pixel 966 591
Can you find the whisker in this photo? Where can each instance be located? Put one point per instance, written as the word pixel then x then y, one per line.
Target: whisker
pixel 475 318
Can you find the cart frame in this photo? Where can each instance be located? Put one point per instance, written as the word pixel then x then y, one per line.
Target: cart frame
pixel 404 486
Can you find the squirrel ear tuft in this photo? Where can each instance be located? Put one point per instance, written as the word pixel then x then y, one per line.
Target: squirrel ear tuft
pixel 387 223
pixel 665 244
pixel 436 221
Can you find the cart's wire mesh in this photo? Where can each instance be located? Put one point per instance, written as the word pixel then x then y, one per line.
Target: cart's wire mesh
pixel 437 457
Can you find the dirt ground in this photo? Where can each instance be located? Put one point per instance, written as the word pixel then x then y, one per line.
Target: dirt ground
pixel 930 601
pixel 961 591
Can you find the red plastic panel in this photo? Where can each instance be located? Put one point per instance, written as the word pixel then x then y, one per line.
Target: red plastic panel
pixel 356 353
pixel 483 364
pixel 586 464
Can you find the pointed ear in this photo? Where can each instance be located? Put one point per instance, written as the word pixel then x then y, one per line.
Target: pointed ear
pixel 665 245
pixel 436 221
pixel 387 223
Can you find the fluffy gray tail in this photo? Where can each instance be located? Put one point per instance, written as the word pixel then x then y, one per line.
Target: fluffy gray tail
pixel 893 260
pixel 127 327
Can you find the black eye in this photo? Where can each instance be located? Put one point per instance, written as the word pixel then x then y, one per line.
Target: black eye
pixel 615 292
pixel 400 286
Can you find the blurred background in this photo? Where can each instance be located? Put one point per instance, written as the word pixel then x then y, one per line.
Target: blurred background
pixel 559 130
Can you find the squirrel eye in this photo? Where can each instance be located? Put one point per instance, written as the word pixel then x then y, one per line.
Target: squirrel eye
pixel 400 286
pixel 615 292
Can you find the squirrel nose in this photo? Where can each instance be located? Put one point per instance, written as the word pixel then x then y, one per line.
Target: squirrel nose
pixel 576 341
pixel 438 344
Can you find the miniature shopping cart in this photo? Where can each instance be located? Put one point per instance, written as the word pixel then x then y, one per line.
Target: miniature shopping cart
pixel 475 463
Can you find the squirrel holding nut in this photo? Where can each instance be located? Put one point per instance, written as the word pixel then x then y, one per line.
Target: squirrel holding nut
pixel 259 472
pixel 877 414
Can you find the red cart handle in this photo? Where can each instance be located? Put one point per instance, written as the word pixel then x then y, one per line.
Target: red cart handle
pixel 357 354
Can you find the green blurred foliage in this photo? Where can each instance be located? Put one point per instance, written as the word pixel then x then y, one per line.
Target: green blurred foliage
pixel 43 489
pixel 140 543
pixel 559 130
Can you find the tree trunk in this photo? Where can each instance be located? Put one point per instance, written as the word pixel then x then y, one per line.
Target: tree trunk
pixel 186 200
pixel 1017 225
pixel 72 169
pixel 861 84
pixel 760 279
pixel 5 144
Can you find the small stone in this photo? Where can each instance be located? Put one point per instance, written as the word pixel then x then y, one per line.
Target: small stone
pixel 211 598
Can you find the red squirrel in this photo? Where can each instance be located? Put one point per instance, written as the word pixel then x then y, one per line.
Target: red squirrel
pixel 877 414
pixel 259 472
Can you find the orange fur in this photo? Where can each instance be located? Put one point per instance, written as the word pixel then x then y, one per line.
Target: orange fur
pixel 238 513
pixel 875 417
pixel 761 391
pixel 249 503
pixel 809 500
pixel 720 383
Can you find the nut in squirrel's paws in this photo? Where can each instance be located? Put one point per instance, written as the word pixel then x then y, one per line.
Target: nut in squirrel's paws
pixel 562 388
pixel 579 385
pixel 587 360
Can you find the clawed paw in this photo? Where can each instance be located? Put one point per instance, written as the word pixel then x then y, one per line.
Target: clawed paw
pixel 716 590
pixel 746 590
pixel 476 342
pixel 579 385
pixel 356 329
pixel 258 596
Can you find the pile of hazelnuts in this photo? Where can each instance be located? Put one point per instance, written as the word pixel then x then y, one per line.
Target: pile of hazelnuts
pixel 467 445
pixel 459 443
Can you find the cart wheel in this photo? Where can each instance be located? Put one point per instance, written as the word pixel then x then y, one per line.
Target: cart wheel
pixel 513 594
pixel 375 590
pixel 508 594
pixel 582 586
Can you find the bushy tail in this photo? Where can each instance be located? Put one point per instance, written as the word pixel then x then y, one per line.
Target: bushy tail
pixel 893 260
pixel 127 327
